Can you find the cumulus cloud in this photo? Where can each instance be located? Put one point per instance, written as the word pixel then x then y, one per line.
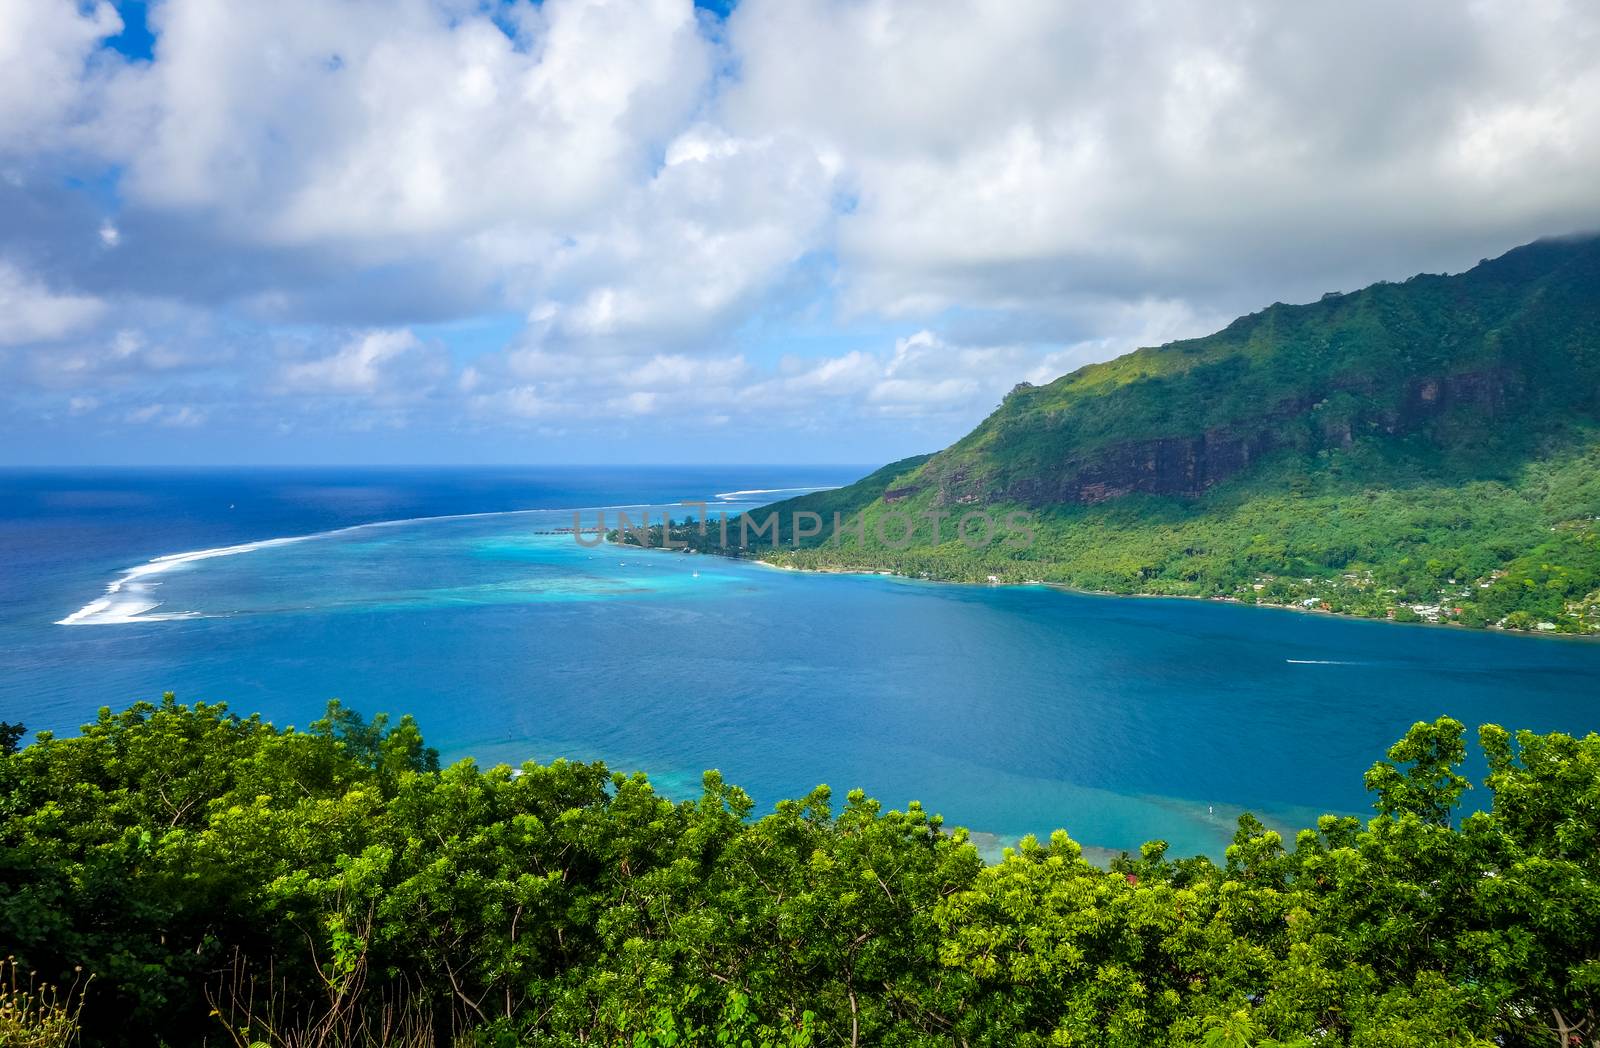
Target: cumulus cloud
pixel 922 390
pixel 48 68
pixel 120 347
pixel 1040 151
pixel 31 312
pixel 390 364
pixel 714 228
pixel 542 386
pixel 882 210
pixel 372 125
pixel 923 377
pixel 170 416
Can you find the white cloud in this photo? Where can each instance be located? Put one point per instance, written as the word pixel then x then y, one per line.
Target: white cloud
pixel 519 402
pixel 31 312
pixel 537 385
pixel 283 197
pixel 122 366
pixel 713 229
pixel 394 363
pixel 372 125
pixel 171 416
pixel 851 373
pixel 45 51
pixel 924 377
pixel 1014 157
pixel 679 371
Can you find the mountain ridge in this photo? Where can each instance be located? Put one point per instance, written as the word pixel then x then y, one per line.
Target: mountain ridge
pixel 1398 451
pixel 1384 377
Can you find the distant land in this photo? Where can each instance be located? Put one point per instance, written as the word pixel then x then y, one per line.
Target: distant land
pixel 1419 451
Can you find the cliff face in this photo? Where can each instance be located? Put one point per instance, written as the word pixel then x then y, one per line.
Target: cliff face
pixel 1428 448
pixel 1189 465
pixel 1511 344
pixel 1163 466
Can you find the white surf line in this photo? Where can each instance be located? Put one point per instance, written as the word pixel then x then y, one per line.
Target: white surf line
pixel 733 496
pixel 110 609
pixel 133 606
pixel 134 591
pixel 127 598
pixel 1320 662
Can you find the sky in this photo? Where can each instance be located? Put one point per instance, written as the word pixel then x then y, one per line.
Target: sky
pixel 646 231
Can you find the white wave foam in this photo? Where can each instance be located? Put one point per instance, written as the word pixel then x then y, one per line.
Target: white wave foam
pixel 128 598
pixel 1320 662
pixel 734 496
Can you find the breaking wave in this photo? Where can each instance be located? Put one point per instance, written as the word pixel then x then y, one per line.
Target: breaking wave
pixel 130 597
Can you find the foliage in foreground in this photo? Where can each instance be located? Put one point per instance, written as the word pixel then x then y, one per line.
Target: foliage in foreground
pixel 227 882
pixel 35 1014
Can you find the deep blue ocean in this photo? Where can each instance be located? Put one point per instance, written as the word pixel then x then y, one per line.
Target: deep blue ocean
pixel 448 594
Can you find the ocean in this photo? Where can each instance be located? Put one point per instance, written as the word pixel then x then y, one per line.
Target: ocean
pixel 451 594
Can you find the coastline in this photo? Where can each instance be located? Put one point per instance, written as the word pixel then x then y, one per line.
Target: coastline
pixel 1592 637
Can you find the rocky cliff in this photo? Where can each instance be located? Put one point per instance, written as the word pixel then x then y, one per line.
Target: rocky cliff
pixel 1438 360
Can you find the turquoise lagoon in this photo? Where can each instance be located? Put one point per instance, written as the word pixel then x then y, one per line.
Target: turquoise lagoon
pixel 451 595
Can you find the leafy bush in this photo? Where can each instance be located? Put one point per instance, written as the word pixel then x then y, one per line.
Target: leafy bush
pixel 223 877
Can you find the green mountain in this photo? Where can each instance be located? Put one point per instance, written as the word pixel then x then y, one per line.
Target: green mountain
pixel 1426 449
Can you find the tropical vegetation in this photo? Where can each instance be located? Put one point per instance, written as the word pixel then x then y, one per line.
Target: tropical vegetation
pixel 1421 450
pixel 206 878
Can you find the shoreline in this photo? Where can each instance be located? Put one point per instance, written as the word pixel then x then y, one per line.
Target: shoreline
pixel 1063 587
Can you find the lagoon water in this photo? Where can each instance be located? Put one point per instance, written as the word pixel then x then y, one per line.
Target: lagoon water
pixel 445 593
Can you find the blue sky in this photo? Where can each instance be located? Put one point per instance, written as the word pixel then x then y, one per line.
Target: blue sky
pixel 329 231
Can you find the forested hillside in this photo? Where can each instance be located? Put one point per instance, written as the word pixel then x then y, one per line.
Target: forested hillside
pixel 1428 449
pixel 206 879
